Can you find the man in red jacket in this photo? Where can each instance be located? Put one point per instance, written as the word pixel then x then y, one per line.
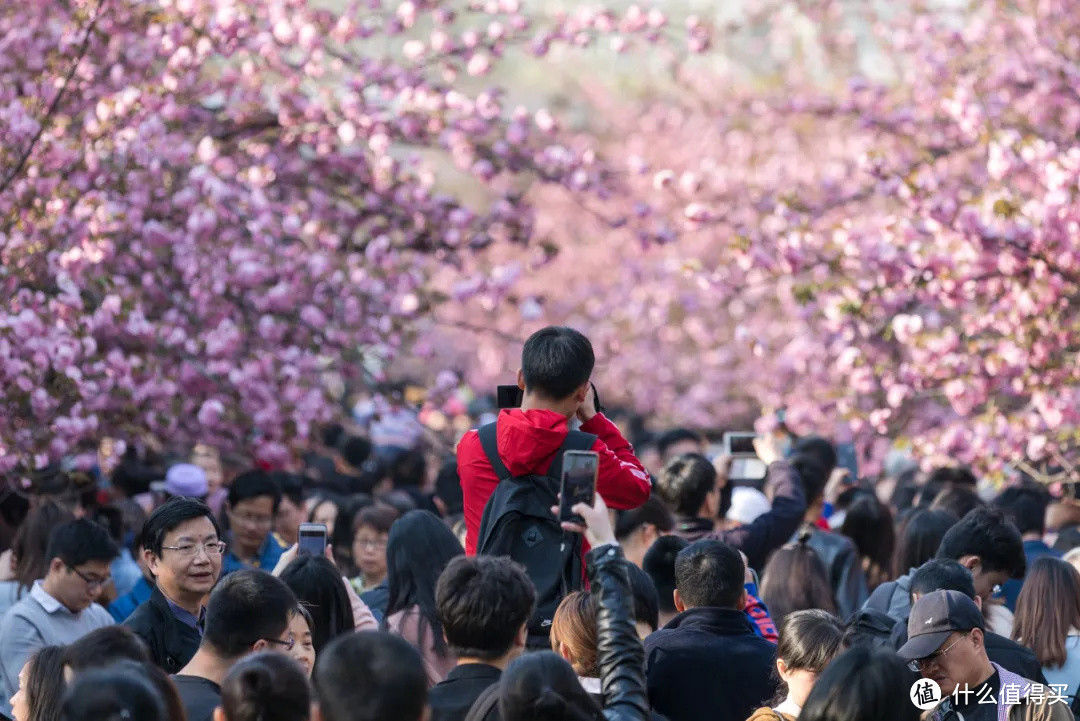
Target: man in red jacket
pixel 556 364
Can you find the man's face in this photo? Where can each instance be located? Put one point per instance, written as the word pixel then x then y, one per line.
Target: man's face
pixel 252 520
pixel 79 586
pixel 955 662
pixel 185 567
pixel 986 581
pixel 287 522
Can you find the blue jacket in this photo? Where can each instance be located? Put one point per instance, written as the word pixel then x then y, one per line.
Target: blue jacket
pixel 124 606
pixel 1032 551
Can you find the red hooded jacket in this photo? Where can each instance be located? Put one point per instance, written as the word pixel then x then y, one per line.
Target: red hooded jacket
pixel 527 443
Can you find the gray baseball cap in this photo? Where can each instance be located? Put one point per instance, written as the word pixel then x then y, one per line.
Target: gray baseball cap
pixel 934 617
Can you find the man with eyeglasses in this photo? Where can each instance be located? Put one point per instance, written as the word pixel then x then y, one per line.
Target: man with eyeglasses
pixel 182 548
pixel 248 612
pixel 60 608
pixel 947 644
pixel 253 503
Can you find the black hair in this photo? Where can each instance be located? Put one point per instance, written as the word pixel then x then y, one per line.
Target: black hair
pixel 543 687
pixel 253 484
pixel 355 450
pixel 45 684
pixel 942 576
pixel 808 641
pixel 169 515
pixel 920 538
pixel 409 469
pixel 986 533
pixel 709 573
pixel 673 436
pixel 1026 506
pixel 31 544
pixel 482 602
pixel 646 599
pixel 862 683
pixel 556 361
pixel 370 676
pixel 813 474
pixel 795 579
pixel 116 693
pixel 112 520
pixel 80 541
pixel 653 511
pixel 291 485
pixel 685 481
pixel 954 475
pixel 266 686
pixel 331 435
pixel 448 488
pixel 418 549
pixel 869 525
pixel 104 646
pixel 958 500
pixel 820 451
pixel 659 563
pixel 401 501
pixel 317 584
pixel 246 606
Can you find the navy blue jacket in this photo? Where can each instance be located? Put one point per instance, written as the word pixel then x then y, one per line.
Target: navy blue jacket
pixel 708 663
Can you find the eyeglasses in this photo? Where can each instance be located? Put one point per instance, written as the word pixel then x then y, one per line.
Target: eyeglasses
pixel 91 583
pixel 253 521
pixel 190 550
pixel 920 663
pixel 370 545
pixel 287 645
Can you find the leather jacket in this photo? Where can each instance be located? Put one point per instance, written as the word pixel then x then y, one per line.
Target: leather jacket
pixel 620 655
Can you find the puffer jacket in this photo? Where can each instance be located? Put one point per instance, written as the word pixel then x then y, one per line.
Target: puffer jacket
pixel 619 653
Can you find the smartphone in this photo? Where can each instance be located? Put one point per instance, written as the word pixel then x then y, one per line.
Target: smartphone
pixel 740 444
pixel 746 468
pixel 312 539
pixel 508 396
pixel 578 482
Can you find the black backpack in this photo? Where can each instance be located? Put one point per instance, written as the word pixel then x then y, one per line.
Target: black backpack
pixel 518 523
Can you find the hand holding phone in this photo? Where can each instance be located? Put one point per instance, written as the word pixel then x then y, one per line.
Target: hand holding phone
pixel 578 483
pixel 312 539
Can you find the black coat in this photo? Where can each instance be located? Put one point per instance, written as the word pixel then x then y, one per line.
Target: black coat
pixel 708 663
pixel 172 642
pixel 451 698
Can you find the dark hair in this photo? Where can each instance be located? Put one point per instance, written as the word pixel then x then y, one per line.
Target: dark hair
pixel 574 626
pixel 408 469
pixel 170 697
pixel 1047 609
pixel 253 484
pixel 952 474
pixel 318 586
pixel 400 501
pixel 80 541
pixel 266 686
pixel 671 437
pixel 448 488
pixel 808 641
pixel 116 693
pixel 862 683
pixel 795 579
pixel 45 684
pixel 869 524
pixel 659 563
pixel 819 451
pixel 379 516
pixel 31 544
pixel 169 515
pixel 709 573
pixel 112 520
pixel 482 602
pixel 646 599
pixel 246 606
pixel 937 575
pixel 986 533
pixel 653 512
pixel 958 500
pixel 417 552
pixel 104 646
pixel 355 450
pixel 291 485
pixel 332 434
pixel 543 687
pixel 920 538
pixel 556 361
pixel 813 475
pixel 370 676
pixel 1025 506
pixel 685 481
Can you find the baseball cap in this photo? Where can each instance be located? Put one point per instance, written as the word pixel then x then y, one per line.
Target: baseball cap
pixel 934 617
pixel 183 479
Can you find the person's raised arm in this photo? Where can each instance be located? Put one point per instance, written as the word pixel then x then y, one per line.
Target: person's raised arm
pixel 622 479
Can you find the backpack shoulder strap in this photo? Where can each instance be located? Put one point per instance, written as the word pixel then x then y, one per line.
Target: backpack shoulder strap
pixel 489 441
pixel 484 703
pixel 575 441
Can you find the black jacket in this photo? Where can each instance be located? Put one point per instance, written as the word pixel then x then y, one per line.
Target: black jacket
pixel 844 565
pixel 172 642
pixel 708 663
pixel 1003 651
pixel 451 698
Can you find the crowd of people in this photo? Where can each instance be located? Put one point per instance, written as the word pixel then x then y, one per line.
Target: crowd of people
pixel 166 586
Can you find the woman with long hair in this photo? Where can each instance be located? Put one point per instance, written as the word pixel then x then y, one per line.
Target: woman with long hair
pixel 114 693
pixel 417 550
pixel 28 551
pixel 869 524
pixel 795 579
pixel 322 591
pixel 809 640
pixel 863 683
pixel 266 686
pixel 41 686
pixel 1048 620
pixel 920 538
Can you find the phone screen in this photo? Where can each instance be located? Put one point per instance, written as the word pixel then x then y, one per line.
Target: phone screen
pixel 312 539
pixel 578 482
pixel 740 444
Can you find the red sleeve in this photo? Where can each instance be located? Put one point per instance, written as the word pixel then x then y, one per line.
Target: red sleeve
pixel 622 481
pixel 478 481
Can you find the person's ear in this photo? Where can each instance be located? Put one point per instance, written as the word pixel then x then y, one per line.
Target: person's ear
pixel 977 638
pixel 316 712
pixel 970 563
pixel 259 645
pixel 782 669
pixel 679 605
pixel 564 652
pixel 978 602
pixel 743 598
pixel 219 714
pixel 69 674
pixel 521 379
pixel 582 392
pixel 151 560
pixel 649 534
pixel 56 565
pixel 522 636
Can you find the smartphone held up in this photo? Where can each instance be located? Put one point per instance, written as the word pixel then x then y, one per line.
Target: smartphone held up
pixel 312 540
pixel 578 483
pixel 746 468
